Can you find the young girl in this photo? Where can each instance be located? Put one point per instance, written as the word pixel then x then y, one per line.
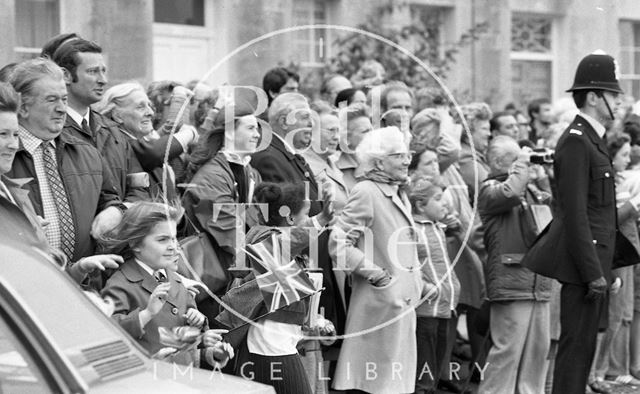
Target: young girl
pixel 146 291
pixel 436 324
pixel 269 353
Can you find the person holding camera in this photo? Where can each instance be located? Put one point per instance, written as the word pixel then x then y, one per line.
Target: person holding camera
pixel 511 212
pixel 579 245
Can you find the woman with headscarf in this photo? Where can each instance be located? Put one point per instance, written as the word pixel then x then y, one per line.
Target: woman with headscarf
pixel 373 239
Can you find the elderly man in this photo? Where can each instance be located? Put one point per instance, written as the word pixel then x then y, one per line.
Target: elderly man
pixel 332 85
pixel 520 314
pixel 290 121
pixel 72 182
pixel 396 105
pixel 85 76
pixel 18 221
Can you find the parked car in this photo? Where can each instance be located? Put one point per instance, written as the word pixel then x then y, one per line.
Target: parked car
pixel 53 339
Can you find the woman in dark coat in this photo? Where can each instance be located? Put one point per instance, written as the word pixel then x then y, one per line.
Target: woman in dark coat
pixel 222 181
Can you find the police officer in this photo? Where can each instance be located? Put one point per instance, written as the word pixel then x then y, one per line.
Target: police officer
pixel 577 248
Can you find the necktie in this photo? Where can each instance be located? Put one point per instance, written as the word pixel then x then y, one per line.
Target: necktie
pixel 303 165
pixel 67 228
pixel 160 277
pixel 86 128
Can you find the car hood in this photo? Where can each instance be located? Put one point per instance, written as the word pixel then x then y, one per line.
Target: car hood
pixel 163 377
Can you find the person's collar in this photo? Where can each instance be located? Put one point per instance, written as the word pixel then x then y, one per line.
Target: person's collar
pixel 288 147
pixel 29 141
pixel 77 117
pixel 422 220
pixel 5 189
pixel 236 158
pixel 148 269
pixel 597 126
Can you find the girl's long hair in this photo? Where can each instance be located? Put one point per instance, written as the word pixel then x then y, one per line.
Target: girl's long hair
pixel 137 222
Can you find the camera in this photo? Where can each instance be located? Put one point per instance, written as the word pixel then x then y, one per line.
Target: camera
pixel 542 156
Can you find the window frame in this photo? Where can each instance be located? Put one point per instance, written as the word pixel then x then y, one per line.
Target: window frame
pixel 632 51
pixel 20 51
pixel 550 56
pixel 326 48
pixel 204 18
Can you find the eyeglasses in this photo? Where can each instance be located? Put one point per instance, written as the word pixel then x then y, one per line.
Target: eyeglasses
pixel 402 156
pixel 333 130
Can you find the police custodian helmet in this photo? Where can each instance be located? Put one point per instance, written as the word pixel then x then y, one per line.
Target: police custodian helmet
pixel 597 71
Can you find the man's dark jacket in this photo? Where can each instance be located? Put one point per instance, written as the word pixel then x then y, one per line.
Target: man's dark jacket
pixel 114 147
pixel 86 179
pixel 277 164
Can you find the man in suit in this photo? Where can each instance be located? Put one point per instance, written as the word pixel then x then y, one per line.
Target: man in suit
pixel 85 76
pixel 578 247
pixel 71 182
pixel 290 121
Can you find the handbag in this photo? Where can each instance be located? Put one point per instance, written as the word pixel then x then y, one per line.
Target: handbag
pixel 198 260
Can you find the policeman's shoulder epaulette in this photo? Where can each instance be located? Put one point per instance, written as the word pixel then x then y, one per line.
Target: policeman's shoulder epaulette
pixel 575 131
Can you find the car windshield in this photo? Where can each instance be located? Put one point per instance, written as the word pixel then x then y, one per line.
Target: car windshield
pixel 19 373
pixel 56 302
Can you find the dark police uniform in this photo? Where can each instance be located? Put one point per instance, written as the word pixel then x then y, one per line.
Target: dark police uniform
pixel 581 244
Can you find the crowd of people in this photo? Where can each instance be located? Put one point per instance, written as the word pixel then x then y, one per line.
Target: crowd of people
pixel 416 213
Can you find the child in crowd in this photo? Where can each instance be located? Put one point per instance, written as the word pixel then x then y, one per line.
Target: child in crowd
pixel 147 292
pixel 437 320
pixel 273 340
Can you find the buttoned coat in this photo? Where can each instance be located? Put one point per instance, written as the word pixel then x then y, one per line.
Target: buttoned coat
pixel 375 230
pixel 277 164
pixel 130 287
pixel 214 183
pixel 578 245
pixel 18 221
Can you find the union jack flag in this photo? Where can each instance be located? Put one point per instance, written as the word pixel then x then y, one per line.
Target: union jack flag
pixel 282 284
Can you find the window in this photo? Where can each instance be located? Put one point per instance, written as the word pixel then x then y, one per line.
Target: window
pixel 309 45
pixel 630 57
pixel 36 22
pixel 433 20
pixel 19 373
pixel 531 58
pixel 530 34
pixel 180 12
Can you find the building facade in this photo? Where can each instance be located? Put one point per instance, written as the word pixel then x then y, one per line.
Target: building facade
pixel 531 48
